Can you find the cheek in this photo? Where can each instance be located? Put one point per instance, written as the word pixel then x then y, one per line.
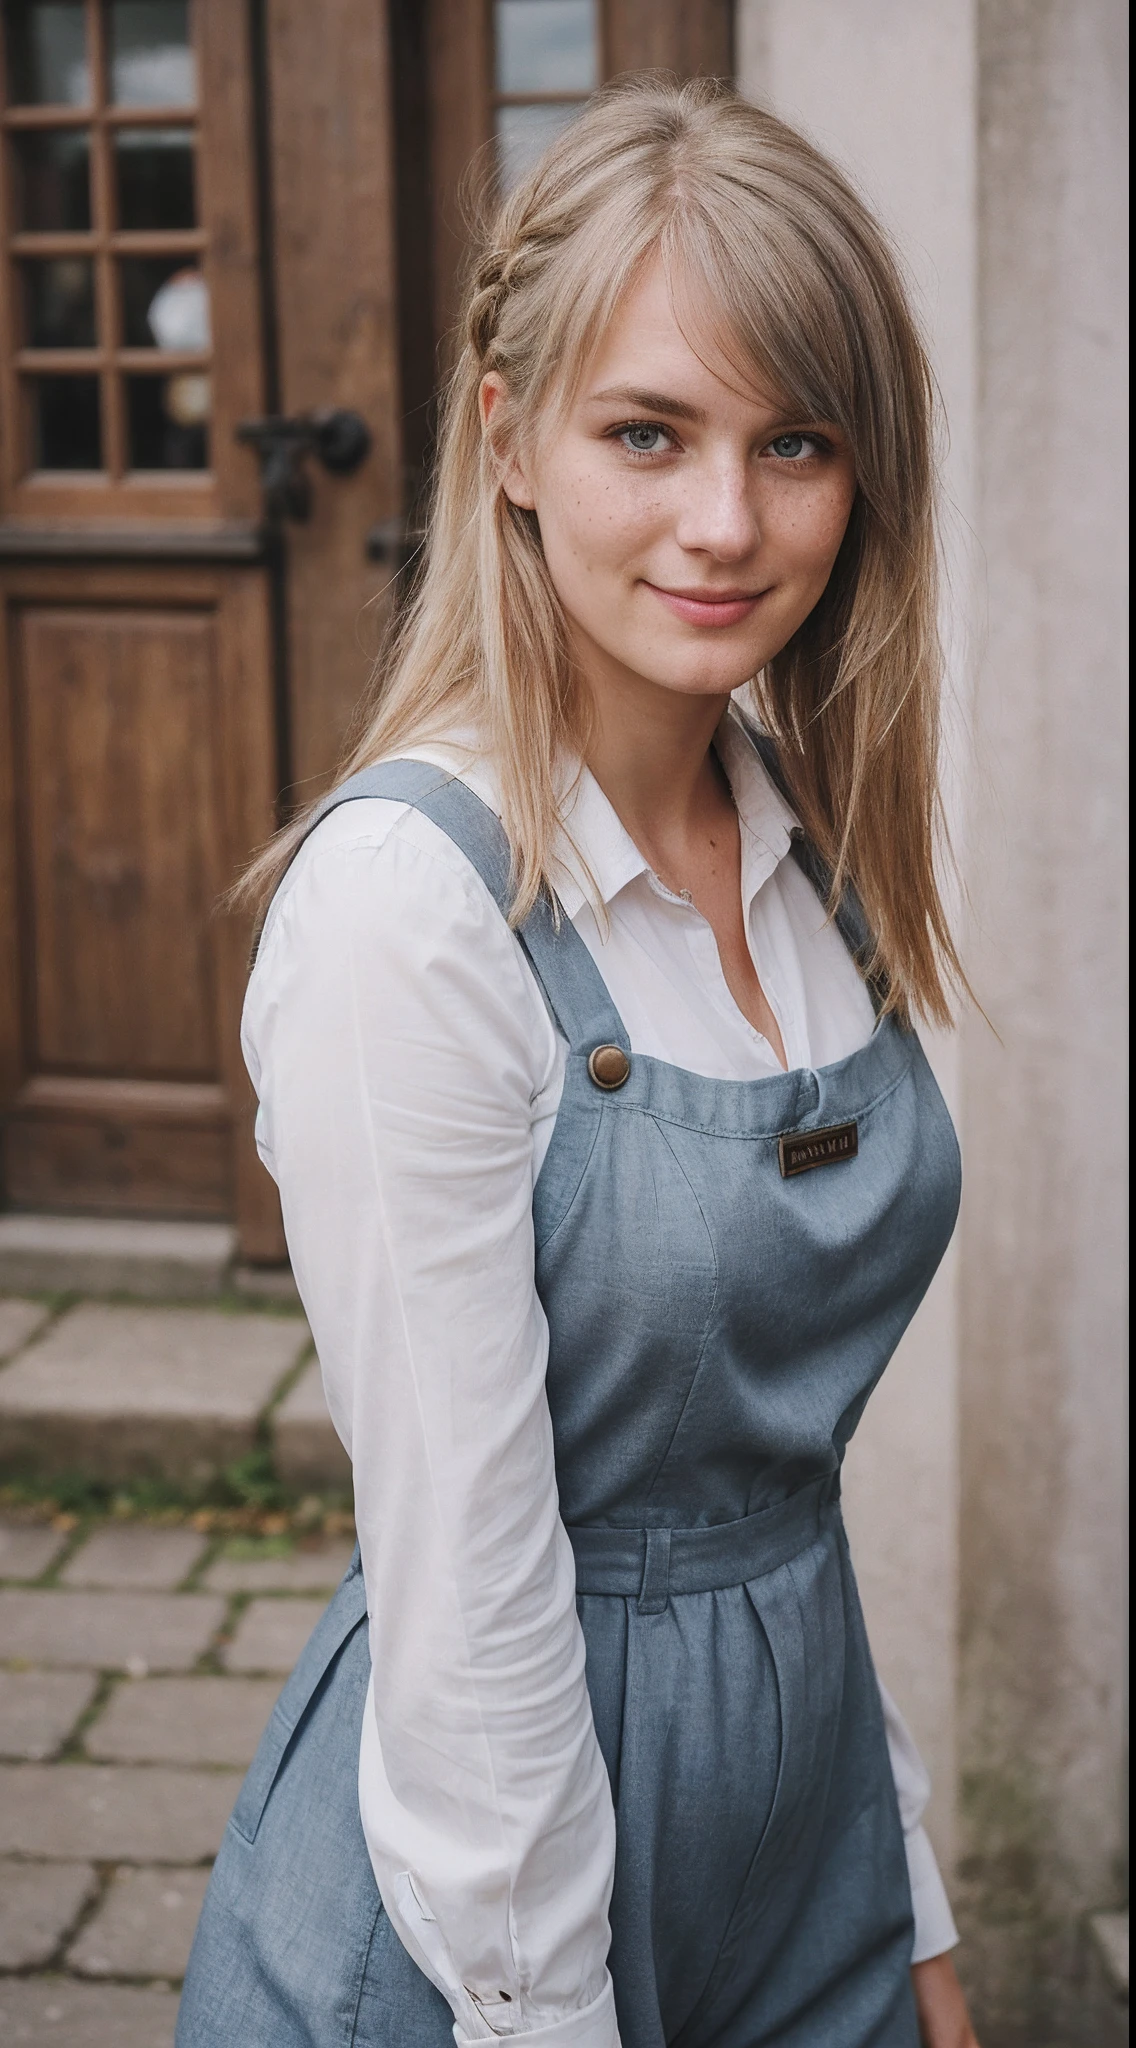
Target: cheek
pixel 807 528
pixel 593 521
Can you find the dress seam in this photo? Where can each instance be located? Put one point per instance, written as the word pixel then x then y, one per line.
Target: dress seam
pixel 703 1130
pixel 689 1396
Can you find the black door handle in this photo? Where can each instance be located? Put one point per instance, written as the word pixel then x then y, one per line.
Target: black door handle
pixel 340 440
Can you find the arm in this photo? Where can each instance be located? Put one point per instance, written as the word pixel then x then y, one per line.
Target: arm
pixel 943 2018
pixel 401 1043
pixel 935 1930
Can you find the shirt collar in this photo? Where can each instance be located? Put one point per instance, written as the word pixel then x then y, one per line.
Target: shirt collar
pixel 596 855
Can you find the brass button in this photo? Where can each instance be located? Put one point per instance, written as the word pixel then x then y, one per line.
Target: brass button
pixel 609 1066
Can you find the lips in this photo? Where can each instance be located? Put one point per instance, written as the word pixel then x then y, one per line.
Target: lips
pixel 709 607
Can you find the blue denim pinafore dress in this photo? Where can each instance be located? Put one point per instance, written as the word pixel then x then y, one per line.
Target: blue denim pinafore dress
pixel 726 1268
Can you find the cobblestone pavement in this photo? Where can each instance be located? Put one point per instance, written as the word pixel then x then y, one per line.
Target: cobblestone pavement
pixel 138 1665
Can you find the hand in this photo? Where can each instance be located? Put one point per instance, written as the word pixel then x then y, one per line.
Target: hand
pixel 943 2018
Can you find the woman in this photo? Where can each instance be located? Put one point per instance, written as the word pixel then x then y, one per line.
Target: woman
pixel 611 1167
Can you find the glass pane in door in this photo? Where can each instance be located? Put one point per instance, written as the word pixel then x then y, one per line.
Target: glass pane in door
pixel 546 46
pixel 52 180
pixel 151 57
pixel 167 421
pixel 154 181
pixel 65 422
pixel 59 300
pixel 46 43
pixel 165 304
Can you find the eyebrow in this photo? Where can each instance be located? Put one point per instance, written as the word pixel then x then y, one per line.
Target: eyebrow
pixel 650 401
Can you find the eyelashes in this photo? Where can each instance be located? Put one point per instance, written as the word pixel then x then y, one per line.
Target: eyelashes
pixel 646 440
pixel 793 448
pixel 644 428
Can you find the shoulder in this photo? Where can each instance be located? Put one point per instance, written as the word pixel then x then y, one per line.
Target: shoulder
pixel 366 839
pixel 376 856
pixel 380 906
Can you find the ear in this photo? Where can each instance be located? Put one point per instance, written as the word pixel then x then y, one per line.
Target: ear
pixel 514 477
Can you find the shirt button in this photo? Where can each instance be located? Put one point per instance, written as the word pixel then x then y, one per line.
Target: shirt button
pixel 609 1066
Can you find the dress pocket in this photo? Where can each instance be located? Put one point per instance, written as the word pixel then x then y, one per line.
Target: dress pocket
pixel 345 1613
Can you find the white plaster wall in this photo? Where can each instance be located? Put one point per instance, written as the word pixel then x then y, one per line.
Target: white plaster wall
pixel 986 1488
pixel 888 89
pixel 1043 1385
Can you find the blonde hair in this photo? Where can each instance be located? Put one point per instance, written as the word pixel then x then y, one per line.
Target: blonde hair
pixel 756 223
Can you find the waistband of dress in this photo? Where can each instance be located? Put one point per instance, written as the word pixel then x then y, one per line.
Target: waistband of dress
pixel 651 1564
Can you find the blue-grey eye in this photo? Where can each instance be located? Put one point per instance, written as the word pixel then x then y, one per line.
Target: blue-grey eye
pixel 643 438
pixel 790 446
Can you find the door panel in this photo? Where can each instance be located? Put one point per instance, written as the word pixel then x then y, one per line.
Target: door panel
pixel 117 715
pixel 141 771
pixel 692 40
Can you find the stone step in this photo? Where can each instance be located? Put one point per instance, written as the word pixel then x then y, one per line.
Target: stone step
pixel 152 1261
pixel 126 1391
pixel 309 1456
pixel 113 1255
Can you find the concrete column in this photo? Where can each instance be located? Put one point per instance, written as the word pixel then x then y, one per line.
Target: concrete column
pixel 1045 1127
pixel 990 136
pixel 888 90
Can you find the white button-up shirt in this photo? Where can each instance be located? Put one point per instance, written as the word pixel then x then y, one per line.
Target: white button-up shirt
pixel 409 1076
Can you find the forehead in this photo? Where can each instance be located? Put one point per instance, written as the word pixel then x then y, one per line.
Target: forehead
pixel 660 339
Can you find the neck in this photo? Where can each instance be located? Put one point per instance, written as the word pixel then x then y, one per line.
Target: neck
pixel 649 750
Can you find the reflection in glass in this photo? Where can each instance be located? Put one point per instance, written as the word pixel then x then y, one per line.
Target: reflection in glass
pixel 545 45
pixel 59 298
pixel 166 423
pixel 154 178
pixel 165 303
pixel 53 185
pixel 151 61
pixel 65 422
pixel 523 133
pixel 47 53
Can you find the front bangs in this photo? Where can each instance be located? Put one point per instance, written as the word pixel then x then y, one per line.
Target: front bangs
pixel 762 311
pixel 609 258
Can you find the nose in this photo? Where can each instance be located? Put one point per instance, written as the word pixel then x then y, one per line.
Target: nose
pixel 719 511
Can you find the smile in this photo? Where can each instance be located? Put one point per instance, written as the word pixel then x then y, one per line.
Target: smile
pixel 709 608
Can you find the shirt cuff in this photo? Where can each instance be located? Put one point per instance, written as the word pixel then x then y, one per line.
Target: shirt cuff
pixel 935 1928
pixel 593 2027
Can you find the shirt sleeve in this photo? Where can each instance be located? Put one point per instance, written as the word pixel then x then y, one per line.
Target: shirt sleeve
pixel 935 1929
pixel 399 1047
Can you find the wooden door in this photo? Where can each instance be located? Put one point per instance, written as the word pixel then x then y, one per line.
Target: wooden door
pixel 213 212
pixel 139 757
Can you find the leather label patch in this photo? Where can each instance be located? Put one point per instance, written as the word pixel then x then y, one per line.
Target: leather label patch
pixel 806 1149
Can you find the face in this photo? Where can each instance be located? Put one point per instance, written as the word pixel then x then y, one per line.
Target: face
pixel 689 527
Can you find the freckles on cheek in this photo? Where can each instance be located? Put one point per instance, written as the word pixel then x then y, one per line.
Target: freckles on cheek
pixel 814 532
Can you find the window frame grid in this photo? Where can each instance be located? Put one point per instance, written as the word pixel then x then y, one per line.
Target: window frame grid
pixel 106 245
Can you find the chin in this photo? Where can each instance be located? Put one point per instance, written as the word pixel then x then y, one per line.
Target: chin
pixel 716 682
